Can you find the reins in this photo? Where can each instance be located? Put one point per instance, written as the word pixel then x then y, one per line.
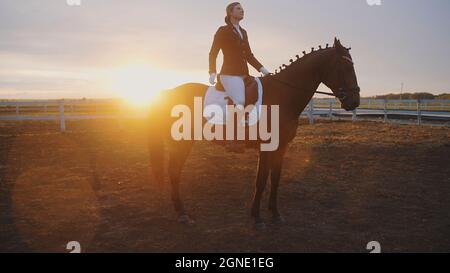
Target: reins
pixel 295 87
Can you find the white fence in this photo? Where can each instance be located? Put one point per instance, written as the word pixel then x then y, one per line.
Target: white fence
pixel 62 110
pixel 59 110
pixel 418 110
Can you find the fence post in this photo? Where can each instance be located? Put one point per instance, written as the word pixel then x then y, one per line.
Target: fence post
pixel 330 114
pixel 419 113
pixel 62 120
pixel 311 111
pixel 17 109
pixel 385 111
pixel 354 117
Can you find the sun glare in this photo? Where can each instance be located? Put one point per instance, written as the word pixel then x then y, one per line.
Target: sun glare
pixel 139 84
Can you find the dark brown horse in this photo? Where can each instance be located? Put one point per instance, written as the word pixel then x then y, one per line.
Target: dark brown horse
pixel 291 88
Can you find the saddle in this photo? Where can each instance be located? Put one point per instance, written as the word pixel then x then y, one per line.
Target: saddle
pixel 251 90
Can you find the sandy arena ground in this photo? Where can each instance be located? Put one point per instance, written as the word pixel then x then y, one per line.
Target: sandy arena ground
pixel 344 184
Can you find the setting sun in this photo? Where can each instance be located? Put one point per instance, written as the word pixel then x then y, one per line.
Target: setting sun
pixel 139 84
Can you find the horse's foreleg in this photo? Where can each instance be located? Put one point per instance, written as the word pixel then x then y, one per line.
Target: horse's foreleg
pixel 177 157
pixel 261 180
pixel 275 173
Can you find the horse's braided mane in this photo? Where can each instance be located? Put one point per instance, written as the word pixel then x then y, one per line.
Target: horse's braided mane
pixel 283 67
pixel 313 51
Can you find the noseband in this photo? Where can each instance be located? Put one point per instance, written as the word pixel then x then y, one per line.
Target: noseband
pixel 342 93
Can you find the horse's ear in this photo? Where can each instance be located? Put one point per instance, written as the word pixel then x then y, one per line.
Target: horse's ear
pixel 337 42
pixel 339 47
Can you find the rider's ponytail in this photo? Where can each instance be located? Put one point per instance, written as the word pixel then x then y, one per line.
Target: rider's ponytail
pixel 229 10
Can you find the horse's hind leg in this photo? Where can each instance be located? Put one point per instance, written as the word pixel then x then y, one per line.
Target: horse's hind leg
pixel 178 153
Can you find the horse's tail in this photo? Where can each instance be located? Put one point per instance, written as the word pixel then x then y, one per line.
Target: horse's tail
pixel 156 145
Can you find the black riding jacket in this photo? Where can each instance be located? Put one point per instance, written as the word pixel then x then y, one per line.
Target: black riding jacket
pixel 236 52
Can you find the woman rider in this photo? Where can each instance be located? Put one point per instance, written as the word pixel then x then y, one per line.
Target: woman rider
pixel 233 41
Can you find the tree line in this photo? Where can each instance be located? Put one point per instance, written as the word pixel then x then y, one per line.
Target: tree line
pixel 413 96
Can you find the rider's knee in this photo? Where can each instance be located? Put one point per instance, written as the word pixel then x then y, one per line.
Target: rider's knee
pixel 239 98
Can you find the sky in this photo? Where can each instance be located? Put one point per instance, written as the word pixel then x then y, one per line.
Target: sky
pixel 50 49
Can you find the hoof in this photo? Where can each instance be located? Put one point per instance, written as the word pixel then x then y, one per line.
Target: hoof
pixel 186 220
pixel 278 219
pixel 260 225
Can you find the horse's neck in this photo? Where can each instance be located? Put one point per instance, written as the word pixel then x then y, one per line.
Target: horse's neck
pixel 305 74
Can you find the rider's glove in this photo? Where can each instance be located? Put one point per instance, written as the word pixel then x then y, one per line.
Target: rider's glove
pixel 212 78
pixel 264 71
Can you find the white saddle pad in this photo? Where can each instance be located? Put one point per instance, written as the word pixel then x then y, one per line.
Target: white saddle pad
pixel 215 106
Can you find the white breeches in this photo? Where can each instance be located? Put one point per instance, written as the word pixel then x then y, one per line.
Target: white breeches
pixel 234 87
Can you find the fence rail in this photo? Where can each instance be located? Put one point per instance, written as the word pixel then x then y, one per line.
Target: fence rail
pixel 437 110
pixel 62 110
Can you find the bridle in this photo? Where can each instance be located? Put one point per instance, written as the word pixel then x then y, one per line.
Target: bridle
pixel 340 93
pixel 298 88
